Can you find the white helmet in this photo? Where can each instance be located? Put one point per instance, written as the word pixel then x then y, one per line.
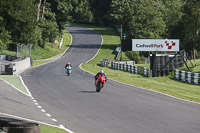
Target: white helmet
pixel 101 71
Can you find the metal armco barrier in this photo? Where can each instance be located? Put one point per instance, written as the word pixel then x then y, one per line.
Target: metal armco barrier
pixel 9 125
pixel 187 76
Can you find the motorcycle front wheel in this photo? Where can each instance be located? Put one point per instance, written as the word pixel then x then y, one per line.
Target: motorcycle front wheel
pixel 98 87
pixel 67 73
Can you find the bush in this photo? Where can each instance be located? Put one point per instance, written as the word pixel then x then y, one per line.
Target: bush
pixel 135 56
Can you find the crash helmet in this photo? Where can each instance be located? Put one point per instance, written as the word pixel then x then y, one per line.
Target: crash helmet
pixel 102 71
pixel 68 63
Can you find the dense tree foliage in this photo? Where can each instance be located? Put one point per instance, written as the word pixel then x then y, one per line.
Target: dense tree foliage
pixel 38 21
pixel 172 13
pixel 81 10
pixel 139 18
pixel 100 9
pixel 16 20
pixel 191 25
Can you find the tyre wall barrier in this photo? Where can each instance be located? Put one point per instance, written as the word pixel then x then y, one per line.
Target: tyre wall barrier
pixel 189 77
pixel 10 125
pixel 124 66
pixel 105 62
pixel 130 68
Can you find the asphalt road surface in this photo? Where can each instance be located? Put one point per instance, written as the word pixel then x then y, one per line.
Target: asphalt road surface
pixel 14 103
pixel 117 108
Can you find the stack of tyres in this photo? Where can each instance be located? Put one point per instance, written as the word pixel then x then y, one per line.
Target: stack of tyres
pixel 10 125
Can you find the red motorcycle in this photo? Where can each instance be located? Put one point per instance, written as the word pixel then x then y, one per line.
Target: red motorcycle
pixel 100 83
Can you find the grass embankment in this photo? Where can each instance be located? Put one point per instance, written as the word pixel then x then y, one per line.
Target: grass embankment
pixel 37 54
pixel 194 66
pixel 165 84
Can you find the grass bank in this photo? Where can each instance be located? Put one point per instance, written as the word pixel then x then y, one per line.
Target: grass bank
pixel 166 84
pixel 50 51
pixel 194 66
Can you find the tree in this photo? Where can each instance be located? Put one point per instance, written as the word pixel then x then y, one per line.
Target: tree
pixel 20 19
pixel 81 10
pixel 62 9
pixel 192 25
pixel 48 26
pixel 4 35
pixel 99 9
pixel 38 12
pixel 172 11
pixel 139 18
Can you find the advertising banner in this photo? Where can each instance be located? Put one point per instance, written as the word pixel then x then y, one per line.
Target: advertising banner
pixel 155 45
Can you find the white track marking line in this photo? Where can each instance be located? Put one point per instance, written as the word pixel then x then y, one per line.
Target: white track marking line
pixel 29 93
pixel 48 115
pixel 34 101
pixel 43 110
pixel 54 120
pixel 39 107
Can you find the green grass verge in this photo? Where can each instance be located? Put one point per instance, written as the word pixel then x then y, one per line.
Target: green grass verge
pixel 162 84
pixel 15 81
pixel 7 52
pixel 143 65
pixel 194 66
pixel 48 129
pixel 36 63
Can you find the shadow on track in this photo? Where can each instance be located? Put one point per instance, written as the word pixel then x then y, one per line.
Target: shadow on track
pixel 87 91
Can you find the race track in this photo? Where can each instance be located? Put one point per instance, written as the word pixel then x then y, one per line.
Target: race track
pixel 117 109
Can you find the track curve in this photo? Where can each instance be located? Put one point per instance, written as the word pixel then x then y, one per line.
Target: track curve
pixel 118 108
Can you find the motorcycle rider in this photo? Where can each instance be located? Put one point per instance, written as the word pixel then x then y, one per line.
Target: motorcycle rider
pixel 102 75
pixel 68 66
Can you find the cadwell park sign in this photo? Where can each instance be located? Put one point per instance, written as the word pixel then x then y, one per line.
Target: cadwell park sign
pixel 155 45
pixel 160 64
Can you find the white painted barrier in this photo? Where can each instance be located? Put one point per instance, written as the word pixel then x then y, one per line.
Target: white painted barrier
pixel 21 65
